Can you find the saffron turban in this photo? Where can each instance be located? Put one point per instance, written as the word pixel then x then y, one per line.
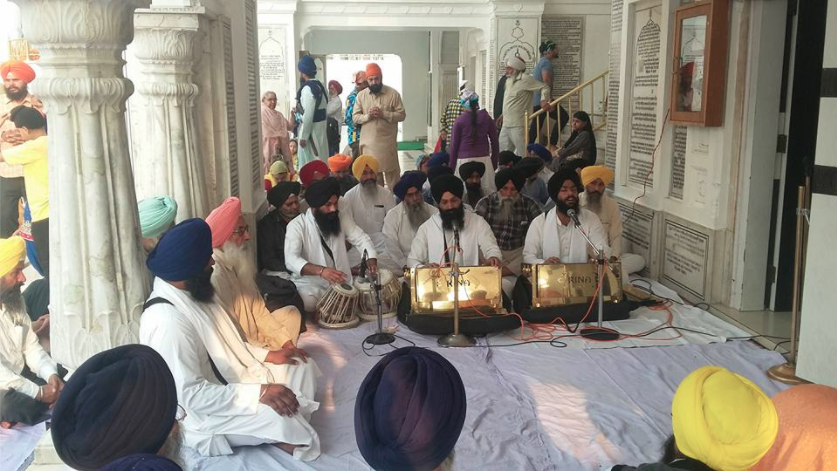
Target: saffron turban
pixel 516 63
pixel 529 166
pixel 337 87
pixel 557 180
pixel 339 162
pixel 509 174
pixel 438 159
pixel 223 220
pixel 183 252
pixel 156 214
pixel 362 162
pixel 411 179
pixel 409 411
pixel 723 419
pixel 308 172
pixel 445 184
pixel 540 151
pixel 595 172
pixel 508 157
pixel 321 191
pixel 436 172
pixel 11 251
pixel 143 462
pixel 281 192
pixel 359 77
pixel 279 167
pixel 372 69
pixel 468 168
pixel 118 402
pixel 307 66
pixel 21 69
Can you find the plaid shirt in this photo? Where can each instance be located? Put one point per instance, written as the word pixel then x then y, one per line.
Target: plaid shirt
pixel 453 109
pixel 510 234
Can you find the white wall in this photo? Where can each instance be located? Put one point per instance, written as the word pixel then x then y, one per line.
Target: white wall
pixel 412 46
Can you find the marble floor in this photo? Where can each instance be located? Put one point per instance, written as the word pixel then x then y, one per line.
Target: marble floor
pixel 767 323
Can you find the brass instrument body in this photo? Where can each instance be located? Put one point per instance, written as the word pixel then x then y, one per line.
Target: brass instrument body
pixel 431 291
pixel 571 283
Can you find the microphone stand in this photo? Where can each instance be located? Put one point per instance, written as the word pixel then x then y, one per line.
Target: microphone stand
pixel 596 333
pixel 380 337
pixel 456 339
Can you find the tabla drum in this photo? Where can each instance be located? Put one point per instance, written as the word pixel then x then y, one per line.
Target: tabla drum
pixel 390 295
pixel 336 309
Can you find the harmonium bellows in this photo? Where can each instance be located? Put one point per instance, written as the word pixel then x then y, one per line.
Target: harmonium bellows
pixel 480 291
pixel 572 283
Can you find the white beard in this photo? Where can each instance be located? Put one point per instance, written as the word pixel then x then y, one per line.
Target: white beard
pixel 237 258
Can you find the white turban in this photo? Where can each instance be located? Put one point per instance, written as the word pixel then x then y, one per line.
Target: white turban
pixel 516 63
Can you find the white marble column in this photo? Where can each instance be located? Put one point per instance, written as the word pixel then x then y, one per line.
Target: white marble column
pixel 98 279
pixel 167 45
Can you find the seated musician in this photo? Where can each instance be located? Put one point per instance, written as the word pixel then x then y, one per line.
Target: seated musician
pixel 434 241
pixel 553 236
pixel 402 221
pixel 315 244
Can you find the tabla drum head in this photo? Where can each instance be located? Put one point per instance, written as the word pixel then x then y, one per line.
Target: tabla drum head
pixel 345 288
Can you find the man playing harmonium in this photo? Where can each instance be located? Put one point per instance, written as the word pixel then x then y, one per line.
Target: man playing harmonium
pixel 315 244
pixel 553 236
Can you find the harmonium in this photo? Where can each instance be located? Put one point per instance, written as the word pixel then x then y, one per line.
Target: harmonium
pixel 480 291
pixel 572 283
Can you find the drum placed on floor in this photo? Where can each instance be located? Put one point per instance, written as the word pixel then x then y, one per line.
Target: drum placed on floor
pixel 336 309
pixel 368 303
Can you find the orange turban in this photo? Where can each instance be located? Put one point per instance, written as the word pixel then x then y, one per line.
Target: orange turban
pixel 223 220
pixel 19 68
pixel 339 162
pixel 372 69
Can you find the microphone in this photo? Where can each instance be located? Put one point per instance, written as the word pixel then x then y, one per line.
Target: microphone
pixel 363 265
pixel 574 216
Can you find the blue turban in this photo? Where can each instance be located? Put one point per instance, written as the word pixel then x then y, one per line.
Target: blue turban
pixel 421 159
pixel 143 462
pixel 156 215
pixel 540 151
pixel 119 402
pixel 409 411
pixel 438 159
pixel 410 179
pixel 437 172
pixel 307 66
pixel 183 252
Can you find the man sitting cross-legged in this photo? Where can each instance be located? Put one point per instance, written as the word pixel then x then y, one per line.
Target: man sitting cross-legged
pixel 234 393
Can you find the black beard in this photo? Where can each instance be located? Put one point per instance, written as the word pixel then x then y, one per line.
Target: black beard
pixel 200 286
pixel 474 188
pixel 376 89
pixel 12 300
pixel 451 217
pixel 669 451
pixel 17 96
pixel 329 223
pixel 564 207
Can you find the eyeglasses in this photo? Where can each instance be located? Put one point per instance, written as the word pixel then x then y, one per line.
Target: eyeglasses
pixel 181 413
pixel 241 230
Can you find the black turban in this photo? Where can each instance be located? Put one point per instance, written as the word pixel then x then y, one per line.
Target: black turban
pixel 468 168
pixel 444 184
pixel 503 176
pixel 557 181
pixel 36 297
pixel 119 402
pixel 409 411
pixel 183 251
pixel 529 166
pixel 143 462
pixel 321 191
pixel 411 179
pixel 281 192
pixel 435 172
pixel 508 157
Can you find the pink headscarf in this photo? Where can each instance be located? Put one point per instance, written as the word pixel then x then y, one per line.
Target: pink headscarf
pixel 223 220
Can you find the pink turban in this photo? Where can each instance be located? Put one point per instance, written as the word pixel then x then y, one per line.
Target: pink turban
pixel 223 220
pixel 19 68
pixel 337 87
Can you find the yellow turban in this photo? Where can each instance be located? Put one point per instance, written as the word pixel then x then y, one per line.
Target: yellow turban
pixel 11 251
pixel 590 174
pixel 723 419
pixel 361 163
pixel 279 167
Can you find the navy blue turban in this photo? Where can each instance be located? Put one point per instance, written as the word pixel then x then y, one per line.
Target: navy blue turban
pixel 557 180
pixel 503 176
pixel 540 151
pixel 529 166
pixel 439 159
pixel 143 462
pixel 183 252
pixel 444 184
pixel 436 172
pixel 468 168
pixel 321 191
pixel 307 66
pixel 409 411
pixel 119 402
pixel 281 192
pixel 508 157
pixel 411 179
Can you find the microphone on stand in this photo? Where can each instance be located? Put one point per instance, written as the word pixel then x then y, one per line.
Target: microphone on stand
pixel 574 216
pixel 364 266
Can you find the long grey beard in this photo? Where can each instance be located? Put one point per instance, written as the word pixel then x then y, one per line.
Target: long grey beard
pixel 238 259
pixel 174 447
pixel 12 300
pixel 370 188
pixel 506 209
pixel 417 215
pixel 594 202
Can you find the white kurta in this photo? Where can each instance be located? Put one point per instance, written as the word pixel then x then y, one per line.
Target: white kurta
pixel 334 109
pixel 611 217
pixel 429 244
pixel 368 212
pixel 399 234
pixel 187 334
pixel 545 174
pixel 314 133
pixel 19 347
pixel 547 237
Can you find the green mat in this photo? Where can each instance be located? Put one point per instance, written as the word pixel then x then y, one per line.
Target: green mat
pixel 411 145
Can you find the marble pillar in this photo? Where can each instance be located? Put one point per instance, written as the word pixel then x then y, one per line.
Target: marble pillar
pixel 166 161
pixel 98 278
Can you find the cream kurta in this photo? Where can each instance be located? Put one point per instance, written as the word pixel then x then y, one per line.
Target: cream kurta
pixel 476 237
pixel 380 135
pixel 19 347
pixel 218 417
pixel 611 218
pixel 399 234
pixel 241 300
